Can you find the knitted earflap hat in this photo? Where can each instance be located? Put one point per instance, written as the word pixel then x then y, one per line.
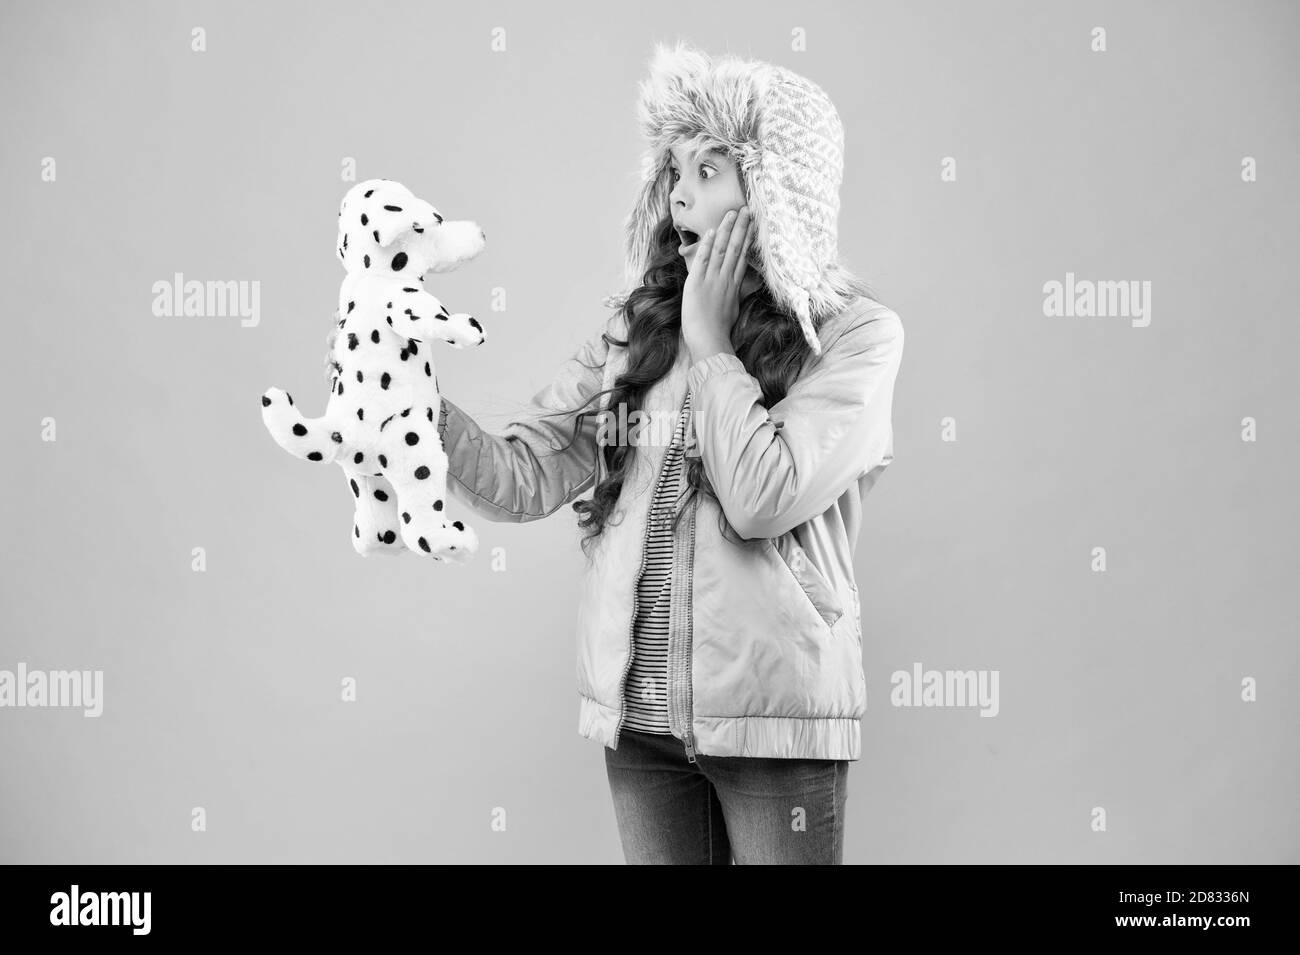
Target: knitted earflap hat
pixel 785 136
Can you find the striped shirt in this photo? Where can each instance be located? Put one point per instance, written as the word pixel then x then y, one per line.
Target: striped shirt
pixel 647 678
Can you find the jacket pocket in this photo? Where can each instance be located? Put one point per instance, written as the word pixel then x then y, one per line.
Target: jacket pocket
pixel 817 588
pixel 856 608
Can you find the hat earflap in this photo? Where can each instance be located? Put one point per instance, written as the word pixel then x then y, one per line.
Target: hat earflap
pixel 650 207
pixel 774 221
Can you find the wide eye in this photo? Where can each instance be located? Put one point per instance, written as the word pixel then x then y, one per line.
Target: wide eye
pixel 702 168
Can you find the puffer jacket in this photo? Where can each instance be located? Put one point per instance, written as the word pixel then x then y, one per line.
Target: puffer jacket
pixel 765 640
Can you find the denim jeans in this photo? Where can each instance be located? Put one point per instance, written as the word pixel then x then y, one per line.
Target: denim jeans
pixel 720 809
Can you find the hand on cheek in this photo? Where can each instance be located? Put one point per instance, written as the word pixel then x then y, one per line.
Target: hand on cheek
pixel 711 296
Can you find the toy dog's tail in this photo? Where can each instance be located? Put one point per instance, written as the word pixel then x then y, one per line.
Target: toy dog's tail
pixel 311 439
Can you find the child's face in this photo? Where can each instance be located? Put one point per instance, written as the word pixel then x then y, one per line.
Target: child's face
pixel 704 190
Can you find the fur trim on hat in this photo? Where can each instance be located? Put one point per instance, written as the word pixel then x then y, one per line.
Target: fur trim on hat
pixel 785 137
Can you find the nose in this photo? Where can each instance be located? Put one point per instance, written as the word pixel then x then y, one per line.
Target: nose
pixel 677 195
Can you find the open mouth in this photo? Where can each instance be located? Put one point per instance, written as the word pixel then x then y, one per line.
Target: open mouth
pixel 689 240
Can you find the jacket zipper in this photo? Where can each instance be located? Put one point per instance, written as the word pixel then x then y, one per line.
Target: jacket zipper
pixel 631 624
pixel 688 737
pixel 684 556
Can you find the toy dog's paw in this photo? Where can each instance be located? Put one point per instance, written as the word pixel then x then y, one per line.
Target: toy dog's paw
pixel 464 546
pixel 451 542
pixel 463 331
pixel 276 396
pixel 385 542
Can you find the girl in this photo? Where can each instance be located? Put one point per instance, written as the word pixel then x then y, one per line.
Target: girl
pixel 719 640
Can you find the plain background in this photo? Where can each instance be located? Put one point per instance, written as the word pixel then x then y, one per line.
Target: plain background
pixel 1119 690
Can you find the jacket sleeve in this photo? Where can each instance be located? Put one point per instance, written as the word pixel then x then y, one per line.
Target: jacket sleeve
pixel 774 471
pixel 521 474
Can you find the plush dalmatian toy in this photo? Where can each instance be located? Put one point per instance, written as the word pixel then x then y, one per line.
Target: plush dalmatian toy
pixel 381 423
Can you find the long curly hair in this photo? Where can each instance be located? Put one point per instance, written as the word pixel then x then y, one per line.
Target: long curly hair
pixel 767 340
